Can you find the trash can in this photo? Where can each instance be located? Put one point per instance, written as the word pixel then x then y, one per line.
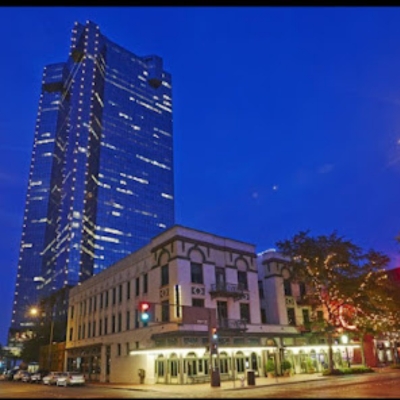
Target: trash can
pixel 251 378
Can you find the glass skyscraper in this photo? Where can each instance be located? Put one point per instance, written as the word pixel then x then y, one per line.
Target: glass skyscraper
pixel 101 179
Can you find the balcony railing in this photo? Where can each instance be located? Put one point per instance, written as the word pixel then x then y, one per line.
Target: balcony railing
pixel 302 300
pixel 223 289
pixel 232 324
pixel 299 300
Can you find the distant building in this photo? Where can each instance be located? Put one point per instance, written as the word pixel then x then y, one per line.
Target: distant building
pixel 394 274
pixel 52 358
pixel 101 181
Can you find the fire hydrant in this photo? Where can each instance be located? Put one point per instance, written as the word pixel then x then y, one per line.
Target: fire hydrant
pixel 242 381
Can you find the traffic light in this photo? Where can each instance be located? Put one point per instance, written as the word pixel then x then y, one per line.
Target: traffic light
pixel 214 341
pixel 144 309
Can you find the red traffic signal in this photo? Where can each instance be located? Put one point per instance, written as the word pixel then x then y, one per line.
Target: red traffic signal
pixel 144 309
pixel 214 333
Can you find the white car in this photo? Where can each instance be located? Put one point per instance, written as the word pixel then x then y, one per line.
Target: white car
pixel 70 379
pixel 26 377
pixel 18 375
pixel 51 378
pixel 36 377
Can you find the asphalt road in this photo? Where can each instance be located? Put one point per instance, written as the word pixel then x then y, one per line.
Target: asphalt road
pixel 377 385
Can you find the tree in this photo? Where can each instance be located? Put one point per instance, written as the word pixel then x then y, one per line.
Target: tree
pixel 379 305
pixel 339 277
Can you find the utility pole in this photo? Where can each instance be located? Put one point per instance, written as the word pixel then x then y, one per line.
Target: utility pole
pixel 213 342
pixel 50 343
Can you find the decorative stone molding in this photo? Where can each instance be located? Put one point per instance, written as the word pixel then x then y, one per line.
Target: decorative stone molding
pixel 164 292
pixel 289 301
pixel 198 291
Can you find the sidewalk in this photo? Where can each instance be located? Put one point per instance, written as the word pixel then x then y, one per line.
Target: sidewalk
pixel 227 385
pixel 206 387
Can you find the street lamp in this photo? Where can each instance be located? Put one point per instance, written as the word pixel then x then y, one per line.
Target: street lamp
pixel 34 311
pixel 345 340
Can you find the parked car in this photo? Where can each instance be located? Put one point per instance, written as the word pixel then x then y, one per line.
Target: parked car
pixel 51 378
pixel 26 376
pixel 37 376
pixel 9 375
pixel 70 379
pixel 19 374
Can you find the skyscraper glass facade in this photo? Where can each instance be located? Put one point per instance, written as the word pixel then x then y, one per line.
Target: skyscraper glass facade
pixel 101 176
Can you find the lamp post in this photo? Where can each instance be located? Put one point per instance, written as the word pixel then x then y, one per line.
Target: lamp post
pixel 34 311
pixel 345 340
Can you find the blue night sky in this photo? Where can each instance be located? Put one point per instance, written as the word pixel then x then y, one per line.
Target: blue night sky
pixel 285 119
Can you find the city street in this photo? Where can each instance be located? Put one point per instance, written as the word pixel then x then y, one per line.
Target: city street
pixel 377 385
pixel 200 202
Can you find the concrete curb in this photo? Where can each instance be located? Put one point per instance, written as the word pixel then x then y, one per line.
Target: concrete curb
pixel 205 388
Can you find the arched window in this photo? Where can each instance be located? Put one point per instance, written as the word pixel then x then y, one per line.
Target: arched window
pixel 323 359
pixel 253 362
pixel 303 361
pixel 223 362
pixel 191 364
pixel 174 365
pixel 240 361
pixel 313 356
pixel 160 366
